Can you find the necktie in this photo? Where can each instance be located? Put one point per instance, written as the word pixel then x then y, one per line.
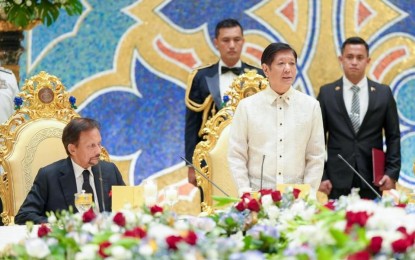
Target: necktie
pixel 234 70
pixel 86 186
pixel 355 111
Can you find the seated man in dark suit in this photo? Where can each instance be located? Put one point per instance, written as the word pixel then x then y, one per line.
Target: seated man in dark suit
pixel 55 185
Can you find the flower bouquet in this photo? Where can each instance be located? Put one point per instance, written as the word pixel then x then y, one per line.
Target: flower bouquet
pixel 264 225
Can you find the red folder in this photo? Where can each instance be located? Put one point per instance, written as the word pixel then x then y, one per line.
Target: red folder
pixel 378 162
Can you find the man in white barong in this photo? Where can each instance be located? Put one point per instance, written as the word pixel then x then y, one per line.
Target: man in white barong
pixel 277 134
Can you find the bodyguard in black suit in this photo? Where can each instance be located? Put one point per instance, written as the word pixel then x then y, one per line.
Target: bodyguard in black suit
pixel 55 185
pixel 207 85
pixel 356 123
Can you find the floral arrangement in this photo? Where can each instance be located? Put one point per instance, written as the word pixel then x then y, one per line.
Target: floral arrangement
pixel 267 225
pixel 72 101
pixel 18 102
pixel 22 13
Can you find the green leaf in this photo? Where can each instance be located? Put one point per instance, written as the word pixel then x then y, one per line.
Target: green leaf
pixel 340 237
pixel 223 201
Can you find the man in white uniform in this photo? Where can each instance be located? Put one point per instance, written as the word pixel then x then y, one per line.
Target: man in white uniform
pixel 277 134
pixel 8 91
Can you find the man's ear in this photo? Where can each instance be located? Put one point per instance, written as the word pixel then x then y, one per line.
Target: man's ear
pixel 265 69
pixel 71 148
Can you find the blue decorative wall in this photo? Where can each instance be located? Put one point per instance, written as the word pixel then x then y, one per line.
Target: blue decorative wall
pixel 127 62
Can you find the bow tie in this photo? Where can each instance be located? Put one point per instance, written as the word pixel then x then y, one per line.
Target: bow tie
pixel 234 70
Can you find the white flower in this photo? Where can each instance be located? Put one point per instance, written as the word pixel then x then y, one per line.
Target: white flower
pixel 181 225
pixel 18 2
pixel 52 218
pixel 273 212
pixel 29 3
pixel 145 250
pixel 388 219
pixel 119 252
pixel 87 252
pixel 159 232
pixel 267 201
pixel 89 227
pixel 36 247
pixel 114 238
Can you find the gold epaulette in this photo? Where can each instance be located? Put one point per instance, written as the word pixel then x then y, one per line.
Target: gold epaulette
pixel 190 103
pixel 196 107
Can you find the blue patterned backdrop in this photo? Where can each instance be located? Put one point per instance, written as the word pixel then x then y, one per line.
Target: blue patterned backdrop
pixel 127 62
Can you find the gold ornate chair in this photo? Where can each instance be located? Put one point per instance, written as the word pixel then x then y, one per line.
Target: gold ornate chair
pixel 31 138
pixel 211 154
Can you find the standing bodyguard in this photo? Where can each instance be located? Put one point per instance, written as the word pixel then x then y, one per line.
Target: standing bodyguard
pixel 357 114
pixel 207 85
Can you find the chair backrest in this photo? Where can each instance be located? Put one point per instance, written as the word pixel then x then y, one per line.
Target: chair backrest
pixel 31 138
pixel 211 154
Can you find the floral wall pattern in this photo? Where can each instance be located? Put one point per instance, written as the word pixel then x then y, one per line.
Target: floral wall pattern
pixel 127 62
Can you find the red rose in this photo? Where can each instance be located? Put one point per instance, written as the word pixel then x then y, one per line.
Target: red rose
pixel 119 219
pixel 135 232
pixel 172 241
pixel 110 194
pixel 253 205
pixel 400 245
pixel 361 255
pixel 330 205
pixel 296 192
pixel 246 195
pixel 155 209
pixel 276 196
pixel 265 192
pixel 191 238
pixel 375 244
pixel 241 206
pixel 102 248
pixel 359 218
pixel 88 216
pixel 43 230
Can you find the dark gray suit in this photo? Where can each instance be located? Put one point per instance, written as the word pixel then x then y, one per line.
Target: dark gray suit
pixel 54 188
pixel 204 83
pixel 381 116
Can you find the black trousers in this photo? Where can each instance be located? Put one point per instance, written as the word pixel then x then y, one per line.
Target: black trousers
pixel 364 192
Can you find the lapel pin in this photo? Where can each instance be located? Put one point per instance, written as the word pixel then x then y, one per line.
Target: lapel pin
pixel 337 88
pixel 372 89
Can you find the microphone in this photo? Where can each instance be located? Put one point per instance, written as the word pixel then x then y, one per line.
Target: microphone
pixel 360 176
pixel 204 176
pixel 102 185
pixel 262 171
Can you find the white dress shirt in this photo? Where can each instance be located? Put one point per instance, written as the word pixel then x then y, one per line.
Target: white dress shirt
pixel 226 79
pixel 8 91
pixel 80 180
pixel 280 136
pixel 363 96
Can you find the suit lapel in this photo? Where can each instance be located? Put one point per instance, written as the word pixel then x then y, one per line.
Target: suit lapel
pixel 68 183
pixel 212 81
pixel 372 98
pixel 97 182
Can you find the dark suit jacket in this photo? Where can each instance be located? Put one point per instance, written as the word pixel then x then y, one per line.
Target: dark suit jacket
pixel 54 188
pixel 205 83
pixel 341 139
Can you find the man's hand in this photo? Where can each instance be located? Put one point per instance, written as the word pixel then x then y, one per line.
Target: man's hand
pixel 386 183
pixel 191 176
pixel 325 187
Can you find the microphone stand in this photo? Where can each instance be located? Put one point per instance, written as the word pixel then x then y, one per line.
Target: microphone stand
pixel 360 176
pixel 262 171
pixel 204 176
